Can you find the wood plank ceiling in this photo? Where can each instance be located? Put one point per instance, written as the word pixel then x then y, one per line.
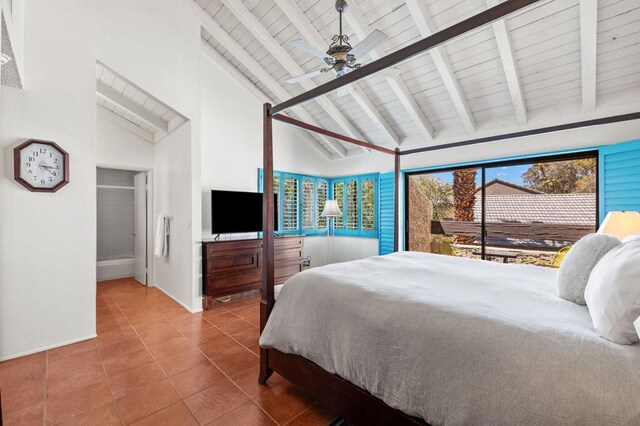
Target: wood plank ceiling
pixel 556 61
pixel 131 107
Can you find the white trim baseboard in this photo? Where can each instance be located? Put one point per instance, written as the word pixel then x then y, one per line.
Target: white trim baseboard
pixel 46 348
pixel 176 300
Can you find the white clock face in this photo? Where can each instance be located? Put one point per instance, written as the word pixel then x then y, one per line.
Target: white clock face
pixel 41 165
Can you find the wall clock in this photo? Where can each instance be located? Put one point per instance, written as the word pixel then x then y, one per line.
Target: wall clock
pixel 41 166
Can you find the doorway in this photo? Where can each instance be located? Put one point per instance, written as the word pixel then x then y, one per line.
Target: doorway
pixel 122 212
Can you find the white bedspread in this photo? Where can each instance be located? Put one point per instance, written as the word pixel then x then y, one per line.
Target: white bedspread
pixel 458 341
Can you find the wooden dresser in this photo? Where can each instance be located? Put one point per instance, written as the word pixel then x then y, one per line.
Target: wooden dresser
pixel 235 266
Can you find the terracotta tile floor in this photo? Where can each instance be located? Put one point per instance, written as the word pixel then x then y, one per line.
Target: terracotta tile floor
pixel 154 363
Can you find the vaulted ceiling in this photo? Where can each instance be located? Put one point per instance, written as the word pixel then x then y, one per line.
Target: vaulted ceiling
pixel 131 107
pixel 547 64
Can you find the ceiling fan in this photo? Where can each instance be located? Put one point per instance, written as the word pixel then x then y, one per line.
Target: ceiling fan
pixel 340 57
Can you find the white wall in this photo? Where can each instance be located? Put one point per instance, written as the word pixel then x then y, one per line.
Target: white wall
pixel 47 290
pixel 119 148
pixel 48 241
pixel 172 197
pixel 232 146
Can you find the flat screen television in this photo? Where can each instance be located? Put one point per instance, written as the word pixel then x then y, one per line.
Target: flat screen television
pixel 234 212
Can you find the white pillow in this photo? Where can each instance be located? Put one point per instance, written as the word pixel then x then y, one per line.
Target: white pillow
pixel 634 237
pixel 613 294
pixel 636 323
pixel 577 265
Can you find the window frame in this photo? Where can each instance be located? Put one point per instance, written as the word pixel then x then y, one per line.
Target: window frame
pixel 359 232
pixel 482 166
pixel 329 182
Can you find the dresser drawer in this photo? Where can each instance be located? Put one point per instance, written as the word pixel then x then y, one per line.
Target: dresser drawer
pixel 229 281
pixel 231 247
pixel 284 243
pixel 287 270
pixel 233 261
pixel 294 255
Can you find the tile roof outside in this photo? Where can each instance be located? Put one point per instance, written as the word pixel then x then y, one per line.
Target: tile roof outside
pixel 574 209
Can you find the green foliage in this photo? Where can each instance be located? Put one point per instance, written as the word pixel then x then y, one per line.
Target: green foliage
pixel 562 177
pixel 439 193
pixel 368 205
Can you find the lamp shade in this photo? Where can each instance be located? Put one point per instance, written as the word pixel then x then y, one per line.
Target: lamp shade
pixel 621 224
pixel 331 209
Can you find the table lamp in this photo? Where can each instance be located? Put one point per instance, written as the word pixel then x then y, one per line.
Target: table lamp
pixel 621 224
pixel 331 211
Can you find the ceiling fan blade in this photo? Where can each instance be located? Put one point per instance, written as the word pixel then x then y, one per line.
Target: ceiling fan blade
pixel 368 43
pixel 306 76
pixel 303 45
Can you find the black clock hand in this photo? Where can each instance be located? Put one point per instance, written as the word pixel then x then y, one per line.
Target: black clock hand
pixel 47 168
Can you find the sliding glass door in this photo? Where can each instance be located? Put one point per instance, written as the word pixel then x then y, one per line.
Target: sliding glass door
pixel 525 211
pixel 441 216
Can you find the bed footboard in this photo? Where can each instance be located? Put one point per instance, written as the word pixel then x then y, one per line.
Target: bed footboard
pixel 343 398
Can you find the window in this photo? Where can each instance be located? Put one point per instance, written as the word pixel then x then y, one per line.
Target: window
pixel 516 211
pixel 357 197
pixel 301 200
pixel 352 205
pixel 322 194
pixel 368 206
pixel 308 199
pixel 290 204
pixel 338 193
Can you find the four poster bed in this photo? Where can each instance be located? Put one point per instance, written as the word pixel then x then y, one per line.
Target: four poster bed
pixel 376 341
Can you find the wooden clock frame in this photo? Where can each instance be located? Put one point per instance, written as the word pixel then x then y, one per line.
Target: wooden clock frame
pixel 17 166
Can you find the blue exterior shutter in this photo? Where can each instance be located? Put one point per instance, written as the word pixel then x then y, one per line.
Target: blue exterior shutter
pixel 619 180
pixel 387 190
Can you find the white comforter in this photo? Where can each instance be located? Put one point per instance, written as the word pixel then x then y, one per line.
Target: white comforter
pixel 458 341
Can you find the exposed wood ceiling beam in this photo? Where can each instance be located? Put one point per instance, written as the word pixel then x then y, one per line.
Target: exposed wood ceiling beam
pixel 130 106
pixel 216 57
pixel 250 63
pixel 294 122
pixel 257 29
pixel 588 52
pixel 356 20
pixel 311 35
pixel 509 65
pixel 418 10
pixel 530 132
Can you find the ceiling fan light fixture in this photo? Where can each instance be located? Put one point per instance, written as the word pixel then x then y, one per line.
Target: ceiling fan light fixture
pixel 341 56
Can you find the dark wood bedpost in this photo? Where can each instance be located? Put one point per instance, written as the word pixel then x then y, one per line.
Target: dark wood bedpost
pixel 396 198
pixel 267 301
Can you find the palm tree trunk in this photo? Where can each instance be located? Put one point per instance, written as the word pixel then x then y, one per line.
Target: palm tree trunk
pixel 464 189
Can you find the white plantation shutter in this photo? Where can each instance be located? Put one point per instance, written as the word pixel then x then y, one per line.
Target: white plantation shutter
pixel 308 208
pixel 338 195
pixel 301 200
pixel 276 191
pixel 290 204
pixel 321 191
pixel 368 204
pixel 352 205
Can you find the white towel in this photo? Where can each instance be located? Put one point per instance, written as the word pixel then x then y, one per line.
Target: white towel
pixel 160 239
pixel 165 248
